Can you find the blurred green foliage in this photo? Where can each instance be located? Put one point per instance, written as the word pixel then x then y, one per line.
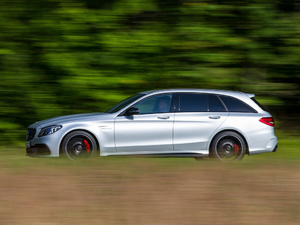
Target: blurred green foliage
pixel 62 57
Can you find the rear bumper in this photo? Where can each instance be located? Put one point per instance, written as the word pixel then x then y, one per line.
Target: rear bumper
pixel 270 147
pixel 275 149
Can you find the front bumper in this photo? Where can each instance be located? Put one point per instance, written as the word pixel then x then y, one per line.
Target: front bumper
pixel 38 150
pixel 47 146
pixel 44 146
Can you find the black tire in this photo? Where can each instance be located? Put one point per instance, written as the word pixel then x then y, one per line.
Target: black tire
pixel 228 146
pixel 78 146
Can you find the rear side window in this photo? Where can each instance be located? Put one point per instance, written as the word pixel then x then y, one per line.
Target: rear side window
pixel 235 105
pixel 192 103
pixel 215 105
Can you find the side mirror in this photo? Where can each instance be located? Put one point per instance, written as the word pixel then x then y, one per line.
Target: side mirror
pixel 132 111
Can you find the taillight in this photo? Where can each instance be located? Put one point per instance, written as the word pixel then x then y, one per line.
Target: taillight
pixel 268 120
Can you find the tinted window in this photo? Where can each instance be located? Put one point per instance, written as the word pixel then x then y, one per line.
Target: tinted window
pixel 193 103
pixel 235 105
pixel 215 105
pixel 124 103
pixel 257 103
pixel 155 104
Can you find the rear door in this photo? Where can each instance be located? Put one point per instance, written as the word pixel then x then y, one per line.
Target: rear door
pixel 197 116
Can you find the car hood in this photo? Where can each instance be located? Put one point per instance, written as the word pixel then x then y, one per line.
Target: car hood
pixel 70 118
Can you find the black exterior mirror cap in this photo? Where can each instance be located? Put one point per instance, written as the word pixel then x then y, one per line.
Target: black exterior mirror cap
pixel 133 111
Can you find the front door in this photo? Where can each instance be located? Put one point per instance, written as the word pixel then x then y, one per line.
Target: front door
pixel 149 131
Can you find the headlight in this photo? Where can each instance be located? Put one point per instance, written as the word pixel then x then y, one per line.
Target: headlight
pixel 49 130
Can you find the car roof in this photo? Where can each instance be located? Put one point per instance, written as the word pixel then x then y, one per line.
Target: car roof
pixel 211 91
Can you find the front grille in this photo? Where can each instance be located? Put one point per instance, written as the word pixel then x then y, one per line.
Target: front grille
pixel 30 134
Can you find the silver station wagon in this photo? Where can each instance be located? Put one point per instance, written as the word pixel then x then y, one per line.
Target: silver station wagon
pixel 167 123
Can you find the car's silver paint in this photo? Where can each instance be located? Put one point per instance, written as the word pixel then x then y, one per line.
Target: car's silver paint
pixel 100 125
pixel 149 134
pixel 192 130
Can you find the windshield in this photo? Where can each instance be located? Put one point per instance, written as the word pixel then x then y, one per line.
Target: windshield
pixel 124 103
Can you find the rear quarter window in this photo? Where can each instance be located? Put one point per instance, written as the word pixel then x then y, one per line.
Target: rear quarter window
pixel 236 105
pixel 257 103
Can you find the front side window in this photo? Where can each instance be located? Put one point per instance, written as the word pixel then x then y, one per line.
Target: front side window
pixel 235 105
pixel 155 104
pixel 124 103
pixel 190 102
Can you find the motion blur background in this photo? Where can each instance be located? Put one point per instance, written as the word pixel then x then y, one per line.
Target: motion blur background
pixel 60 57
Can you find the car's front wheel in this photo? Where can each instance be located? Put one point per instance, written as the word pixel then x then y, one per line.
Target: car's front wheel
pixel 79 145
pixel 228 146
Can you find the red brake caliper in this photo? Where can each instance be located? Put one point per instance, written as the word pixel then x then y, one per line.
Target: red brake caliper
pixel 236 149
pixel 87 146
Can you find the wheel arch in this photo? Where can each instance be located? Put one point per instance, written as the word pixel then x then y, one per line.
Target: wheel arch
pixel 232 130
pixel 89 132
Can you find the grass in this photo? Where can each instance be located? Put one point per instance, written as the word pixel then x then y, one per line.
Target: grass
pixel 262 189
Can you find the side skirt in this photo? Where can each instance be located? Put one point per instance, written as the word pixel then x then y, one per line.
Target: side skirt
pixel 165 155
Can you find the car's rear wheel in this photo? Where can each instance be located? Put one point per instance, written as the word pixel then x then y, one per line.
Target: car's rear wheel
pixel 228 146
pixel 78 146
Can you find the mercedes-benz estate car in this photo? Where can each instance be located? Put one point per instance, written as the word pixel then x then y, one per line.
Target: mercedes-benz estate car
pixel 168 123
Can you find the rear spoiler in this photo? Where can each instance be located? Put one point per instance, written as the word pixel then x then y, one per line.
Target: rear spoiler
pixel 251 95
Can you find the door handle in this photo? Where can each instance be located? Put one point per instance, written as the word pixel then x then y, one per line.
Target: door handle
pixel 163 117
pixel 214 117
